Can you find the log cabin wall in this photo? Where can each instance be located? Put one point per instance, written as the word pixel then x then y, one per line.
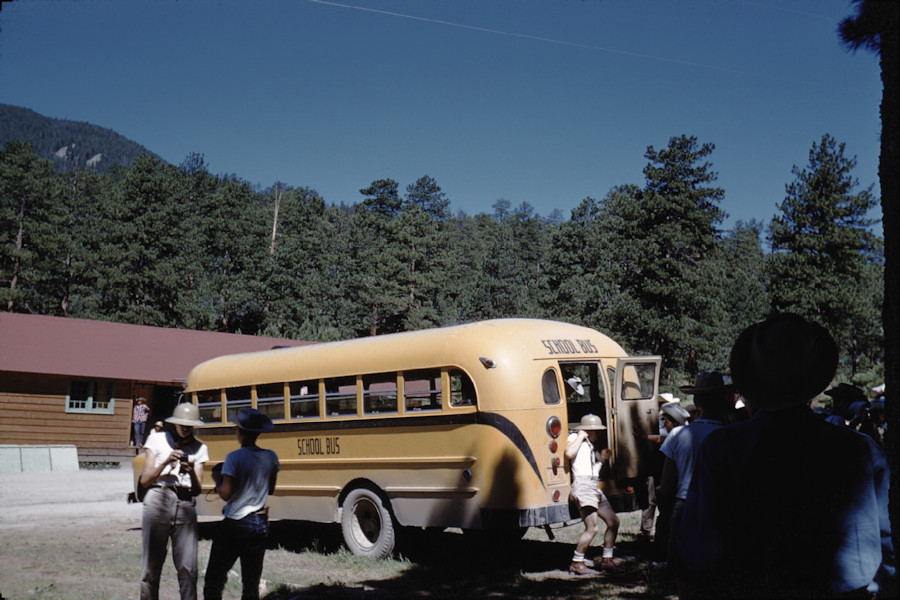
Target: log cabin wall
pixel 33 410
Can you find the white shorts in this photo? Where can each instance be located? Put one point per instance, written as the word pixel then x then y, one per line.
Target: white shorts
pixel 587 493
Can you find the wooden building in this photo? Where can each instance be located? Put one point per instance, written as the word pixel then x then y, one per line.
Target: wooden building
pixel 75 381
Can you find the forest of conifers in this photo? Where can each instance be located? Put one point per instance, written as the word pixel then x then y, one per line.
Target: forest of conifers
pixel 650 265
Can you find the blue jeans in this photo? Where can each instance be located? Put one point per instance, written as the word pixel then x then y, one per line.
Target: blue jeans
pixel 139 428
pixel 245 539
pixel 166 516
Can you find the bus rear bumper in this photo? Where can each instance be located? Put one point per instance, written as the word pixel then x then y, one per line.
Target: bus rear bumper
pixel 535 516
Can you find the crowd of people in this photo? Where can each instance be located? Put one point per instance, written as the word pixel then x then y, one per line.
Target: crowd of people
pixel 763 493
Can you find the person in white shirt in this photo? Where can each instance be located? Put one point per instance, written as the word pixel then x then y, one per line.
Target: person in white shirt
pixel 592 503
pixel 173 466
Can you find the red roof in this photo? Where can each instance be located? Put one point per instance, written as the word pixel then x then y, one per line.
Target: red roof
pixel 83 348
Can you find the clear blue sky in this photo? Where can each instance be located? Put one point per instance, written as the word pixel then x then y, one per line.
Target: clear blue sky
pixel 538 101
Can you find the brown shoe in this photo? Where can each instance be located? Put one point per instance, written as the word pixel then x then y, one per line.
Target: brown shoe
pixel 609 564
pixel 579 568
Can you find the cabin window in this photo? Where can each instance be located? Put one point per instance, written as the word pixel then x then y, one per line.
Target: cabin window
pixel 270 400
pixel 89 396
pixel 380 393
pixel 462 390
pixel 304 399
pixel 422 390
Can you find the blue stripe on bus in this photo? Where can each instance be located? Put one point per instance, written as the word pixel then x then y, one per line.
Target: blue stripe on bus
pixel 498 422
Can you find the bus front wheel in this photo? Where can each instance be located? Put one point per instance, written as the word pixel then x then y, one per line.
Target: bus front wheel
pixel 366 524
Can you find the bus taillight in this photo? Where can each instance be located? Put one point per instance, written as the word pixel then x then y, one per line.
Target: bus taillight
pixel 553 446
pixel 554 427
pixel 556 495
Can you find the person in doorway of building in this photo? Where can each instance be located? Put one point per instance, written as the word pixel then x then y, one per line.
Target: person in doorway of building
pixel 173 467
pixel 785 505
pixel 592 503
pixel 139 415
pixel 247 478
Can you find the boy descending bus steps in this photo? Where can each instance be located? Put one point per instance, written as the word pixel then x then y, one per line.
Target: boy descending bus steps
pixel 592 503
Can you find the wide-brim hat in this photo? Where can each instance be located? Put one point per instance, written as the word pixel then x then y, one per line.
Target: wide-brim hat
pixel 250 419
pixel 590 422
pixel 845 391
pixel 708 382
pixel 676 412
pixel 783 361
pixel 575 383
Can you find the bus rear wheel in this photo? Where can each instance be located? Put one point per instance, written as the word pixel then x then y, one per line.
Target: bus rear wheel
pixel 367 524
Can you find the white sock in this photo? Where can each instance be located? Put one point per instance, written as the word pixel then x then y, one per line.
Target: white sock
pixel 607 553
pixel 578 557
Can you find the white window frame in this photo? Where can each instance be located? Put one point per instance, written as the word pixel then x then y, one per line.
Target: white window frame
pixel 94 401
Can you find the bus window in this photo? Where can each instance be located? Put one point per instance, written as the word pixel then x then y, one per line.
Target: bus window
pixel 422 390
pixel 235 399
pixel 462 390
pixel 340 396
pixel 304 399
pixel 380 393
pixel 210 405
pixel 584 389
pixel 270 400
pixel 638 381
pixel 550 387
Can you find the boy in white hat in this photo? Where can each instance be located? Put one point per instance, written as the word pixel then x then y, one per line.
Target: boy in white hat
pixel 592 503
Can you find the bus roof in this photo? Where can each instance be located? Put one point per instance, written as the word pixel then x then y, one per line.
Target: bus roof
pixel 460 346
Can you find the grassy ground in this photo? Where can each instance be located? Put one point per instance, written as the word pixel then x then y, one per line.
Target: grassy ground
pixel 78 560
pixel 66 536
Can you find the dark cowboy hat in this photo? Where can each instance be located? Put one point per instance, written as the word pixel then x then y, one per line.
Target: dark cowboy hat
pixel 845 391
pixel 708 382
pixel 783 361
pixel 250 419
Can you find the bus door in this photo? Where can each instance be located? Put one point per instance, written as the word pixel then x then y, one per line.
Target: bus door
pixel 633 408
pixel 585 392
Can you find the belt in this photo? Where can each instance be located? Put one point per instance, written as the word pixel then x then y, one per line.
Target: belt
pixel 182 492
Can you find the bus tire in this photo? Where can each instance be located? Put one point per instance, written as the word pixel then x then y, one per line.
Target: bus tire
pixel 367 524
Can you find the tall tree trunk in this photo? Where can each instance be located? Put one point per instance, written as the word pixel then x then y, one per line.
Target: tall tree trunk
pixel 20 240
pixel 889 176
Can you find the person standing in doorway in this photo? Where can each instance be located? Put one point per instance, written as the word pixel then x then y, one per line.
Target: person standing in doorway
pixel 139 415
pixel 247 478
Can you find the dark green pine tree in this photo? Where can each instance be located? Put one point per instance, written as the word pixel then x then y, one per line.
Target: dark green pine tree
pixel 303 276
pixel 669 302
pixel 738 267
pixel 233 228
pixel 422 237
pixel 826 263
pixel 465 293
pixel 68 262
pixel 379 270
pixel 143 259
pixel 28 188
pixel 585 265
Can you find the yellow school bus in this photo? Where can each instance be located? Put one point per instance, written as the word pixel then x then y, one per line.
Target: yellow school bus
pixel 461 426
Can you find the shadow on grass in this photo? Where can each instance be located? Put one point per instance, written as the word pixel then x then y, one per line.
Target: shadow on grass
pixel 453 565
